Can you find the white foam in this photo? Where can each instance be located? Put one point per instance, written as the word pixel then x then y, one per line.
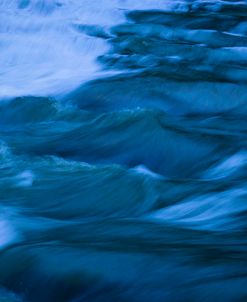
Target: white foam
pixel 4 150
pixel 41 51
pixel 142 169
pixel 227 167
pixel 207 212
pixel 25 179
pixel 7 233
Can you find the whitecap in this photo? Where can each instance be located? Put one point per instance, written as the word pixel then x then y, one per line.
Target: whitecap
pixel 217 212
pixel 25 179
pixel 142 169
pixel 227 167
pixel 7 233
pixel 42 54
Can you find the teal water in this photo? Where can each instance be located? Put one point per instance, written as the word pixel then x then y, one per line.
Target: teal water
pixel 123 151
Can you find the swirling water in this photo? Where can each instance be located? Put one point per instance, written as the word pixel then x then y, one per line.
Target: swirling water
pixel 123 150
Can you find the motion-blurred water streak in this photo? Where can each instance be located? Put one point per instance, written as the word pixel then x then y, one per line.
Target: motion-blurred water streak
pixel 123 150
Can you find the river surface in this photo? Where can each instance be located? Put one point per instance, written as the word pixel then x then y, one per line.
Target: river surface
pixel 123 151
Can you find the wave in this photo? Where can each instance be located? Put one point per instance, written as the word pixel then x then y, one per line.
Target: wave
pixel 130 138
pixel 122 150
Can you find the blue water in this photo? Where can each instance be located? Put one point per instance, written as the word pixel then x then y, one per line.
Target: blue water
pixel 123 151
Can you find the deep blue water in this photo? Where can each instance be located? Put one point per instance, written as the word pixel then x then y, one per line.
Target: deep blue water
pixel 123 151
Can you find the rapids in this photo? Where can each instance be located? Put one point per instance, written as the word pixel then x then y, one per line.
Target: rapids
pixel 123 150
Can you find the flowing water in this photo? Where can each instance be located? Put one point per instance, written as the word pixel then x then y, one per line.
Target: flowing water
pixel 123 150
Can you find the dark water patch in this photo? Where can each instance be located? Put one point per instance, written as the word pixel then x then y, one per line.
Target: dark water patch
pixel 189 20
pixel 173 97
pixel 27 110
pixel 111 268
